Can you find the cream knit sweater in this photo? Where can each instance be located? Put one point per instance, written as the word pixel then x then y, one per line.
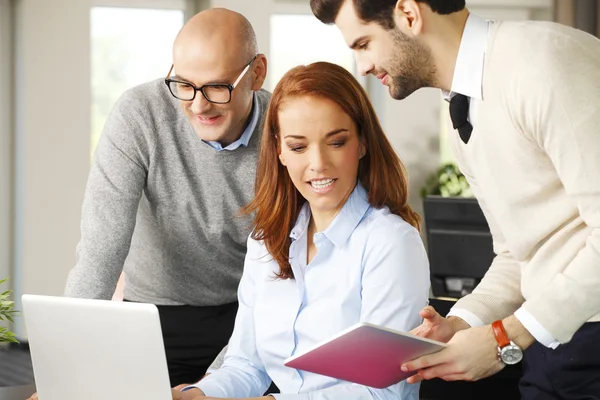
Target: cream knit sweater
pixel 533 162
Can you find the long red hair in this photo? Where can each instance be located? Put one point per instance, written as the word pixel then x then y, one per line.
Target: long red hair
pixel 277 203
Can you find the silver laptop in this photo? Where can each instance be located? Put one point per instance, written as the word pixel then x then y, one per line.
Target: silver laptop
pixel 95 349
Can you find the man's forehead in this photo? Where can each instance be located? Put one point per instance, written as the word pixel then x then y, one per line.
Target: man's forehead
pixel 201 73
pixel 347 16
pixel 200 62
pixel 209 53
pixel 350 24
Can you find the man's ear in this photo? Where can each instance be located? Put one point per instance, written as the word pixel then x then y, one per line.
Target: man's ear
pixel 408 17
pixel 259 72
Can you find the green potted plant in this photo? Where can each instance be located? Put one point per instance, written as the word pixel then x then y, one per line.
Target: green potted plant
pixel 6 314
pixel 447 181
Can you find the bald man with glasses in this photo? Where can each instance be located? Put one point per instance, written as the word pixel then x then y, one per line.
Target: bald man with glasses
pixel 175 163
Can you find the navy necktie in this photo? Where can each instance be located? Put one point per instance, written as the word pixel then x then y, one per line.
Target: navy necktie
pixel 459 113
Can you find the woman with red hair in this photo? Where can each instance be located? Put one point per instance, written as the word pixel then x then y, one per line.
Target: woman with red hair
pixel 334 241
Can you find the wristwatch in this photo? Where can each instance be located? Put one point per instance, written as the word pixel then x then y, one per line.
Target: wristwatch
pixel 508 352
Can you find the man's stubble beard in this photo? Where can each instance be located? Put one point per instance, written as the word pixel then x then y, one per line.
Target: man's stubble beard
pixel 414 65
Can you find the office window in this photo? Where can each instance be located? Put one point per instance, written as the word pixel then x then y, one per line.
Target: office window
pixel 301 39
pixel 129 46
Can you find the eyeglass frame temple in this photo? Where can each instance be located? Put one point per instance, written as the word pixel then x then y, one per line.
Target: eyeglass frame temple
pixel 169 73
pixel 243 73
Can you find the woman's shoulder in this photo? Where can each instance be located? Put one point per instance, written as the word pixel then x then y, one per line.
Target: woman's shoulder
pixel 259 261
pixel 380 229
pixel 255 248
pixel 381 221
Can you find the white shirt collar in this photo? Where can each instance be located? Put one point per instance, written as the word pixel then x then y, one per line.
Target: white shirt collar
pixel 468 72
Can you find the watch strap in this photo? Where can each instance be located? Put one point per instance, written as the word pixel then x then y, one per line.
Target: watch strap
pixel 500 334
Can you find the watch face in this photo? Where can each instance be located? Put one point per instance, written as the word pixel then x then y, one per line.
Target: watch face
pixel 511 354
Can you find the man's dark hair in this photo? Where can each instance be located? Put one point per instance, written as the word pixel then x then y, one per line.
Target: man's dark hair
pixel 380 11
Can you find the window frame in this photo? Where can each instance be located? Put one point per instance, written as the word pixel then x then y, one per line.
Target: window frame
pixel 6 138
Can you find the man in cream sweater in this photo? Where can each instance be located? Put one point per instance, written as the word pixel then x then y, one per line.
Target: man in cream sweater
pixel 524 99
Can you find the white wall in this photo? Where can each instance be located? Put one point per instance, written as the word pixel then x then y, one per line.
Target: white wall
pixel 5 146
pixel 413 126
pixel 52 137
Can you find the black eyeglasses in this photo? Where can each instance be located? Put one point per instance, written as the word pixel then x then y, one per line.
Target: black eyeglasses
pixel 219 93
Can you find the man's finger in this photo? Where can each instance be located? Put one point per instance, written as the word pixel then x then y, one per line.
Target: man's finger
pixel 414 379
pixel 440 371
pixel 417 364
pixel 425 361
pixel 428 312
pixel 454 377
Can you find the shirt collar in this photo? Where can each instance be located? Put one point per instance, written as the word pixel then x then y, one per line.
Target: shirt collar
pixel 343 224
pixel 468 72
pixel 246 135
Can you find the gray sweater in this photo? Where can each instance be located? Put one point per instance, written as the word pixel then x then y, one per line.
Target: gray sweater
pixel 162 205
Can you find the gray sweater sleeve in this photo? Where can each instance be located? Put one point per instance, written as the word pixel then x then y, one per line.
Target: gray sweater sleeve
pixel 112 196
pixel 218 361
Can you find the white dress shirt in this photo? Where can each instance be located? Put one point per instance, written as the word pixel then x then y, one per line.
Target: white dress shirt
pixel 468 80
pixel 370 266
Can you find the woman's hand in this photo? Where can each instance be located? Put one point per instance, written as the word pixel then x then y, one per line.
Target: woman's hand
pixel 191 394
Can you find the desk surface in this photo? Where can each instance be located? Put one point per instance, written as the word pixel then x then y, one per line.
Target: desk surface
pixel 16 392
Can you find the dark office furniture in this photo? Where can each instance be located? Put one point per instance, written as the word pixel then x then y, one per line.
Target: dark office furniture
pixel 459 244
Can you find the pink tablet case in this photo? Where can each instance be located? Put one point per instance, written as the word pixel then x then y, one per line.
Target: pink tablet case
pixel 365 354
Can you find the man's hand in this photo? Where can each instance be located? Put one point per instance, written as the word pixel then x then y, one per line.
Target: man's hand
pixel 33 397
pixel 436 327
pixel 472 354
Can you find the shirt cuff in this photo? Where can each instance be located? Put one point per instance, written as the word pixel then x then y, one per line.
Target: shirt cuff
pixel 210 388
pixel 540 333
pixel 465 315
pixel 185 389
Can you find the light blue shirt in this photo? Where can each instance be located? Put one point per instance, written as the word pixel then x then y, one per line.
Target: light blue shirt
pixel 245 138
pixel 370 266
